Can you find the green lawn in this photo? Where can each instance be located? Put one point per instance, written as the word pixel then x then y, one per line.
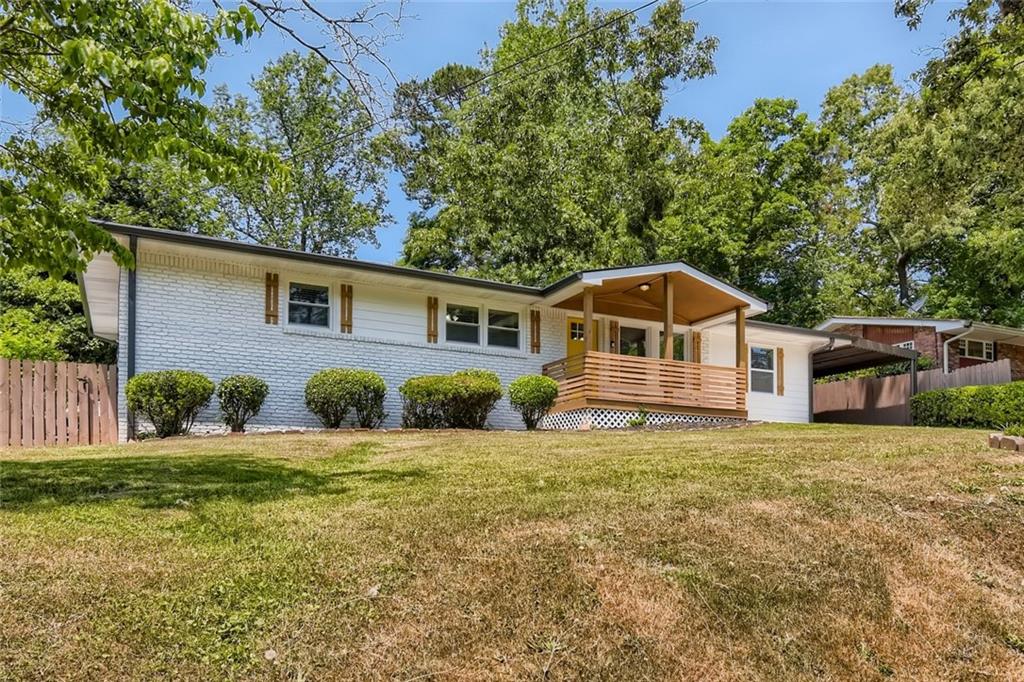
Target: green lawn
pixel 770 552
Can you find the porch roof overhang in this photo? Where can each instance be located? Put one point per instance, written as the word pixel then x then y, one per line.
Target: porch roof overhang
pixel 849 353
pixel 638 292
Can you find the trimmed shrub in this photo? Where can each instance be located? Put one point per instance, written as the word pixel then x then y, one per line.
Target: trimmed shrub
pixel 241 398
pixel 169 399
pixel 462 400
pixel 532 396
pixel 479 392
pixel 970 406
pixel 332 393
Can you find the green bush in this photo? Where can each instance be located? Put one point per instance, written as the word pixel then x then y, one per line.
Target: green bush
pixel 532 396
pixel 332 393
pixel 462 400
pixel 1014 430
pixel 241 398
pixel 169 399
pixel 970 406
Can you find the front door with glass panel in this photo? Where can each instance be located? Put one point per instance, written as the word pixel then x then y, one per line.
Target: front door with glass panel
pixel 574 336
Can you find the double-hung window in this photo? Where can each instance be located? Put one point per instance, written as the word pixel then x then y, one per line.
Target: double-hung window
pixel 462 323
pixel 502 328
pixel 309 304
pixel 762 369
pixel 977 350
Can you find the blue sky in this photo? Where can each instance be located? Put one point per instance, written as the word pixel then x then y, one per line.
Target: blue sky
pixel 767 49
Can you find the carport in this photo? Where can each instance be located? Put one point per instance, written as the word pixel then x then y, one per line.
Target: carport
pixel 869 400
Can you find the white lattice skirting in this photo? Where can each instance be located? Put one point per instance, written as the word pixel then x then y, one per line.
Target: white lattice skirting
pixel 603 418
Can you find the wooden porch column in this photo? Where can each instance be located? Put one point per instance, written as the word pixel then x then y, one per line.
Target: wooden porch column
pixel 741 337
pixel 588 319
pixel 669 317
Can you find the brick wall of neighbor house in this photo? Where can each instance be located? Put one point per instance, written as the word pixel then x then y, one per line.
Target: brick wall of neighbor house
pixel 925 339
pixel 209 317
pixel 1016 356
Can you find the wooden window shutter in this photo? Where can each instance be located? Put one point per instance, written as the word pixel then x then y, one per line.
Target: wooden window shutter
pixel 271 301
pixel 780 364
pixel 695 353
pixel 534 331
pixel 431 319
pixel 346 308
pixel 613 336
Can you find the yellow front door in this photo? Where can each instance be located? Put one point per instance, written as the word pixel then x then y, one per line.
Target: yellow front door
pixel 574 336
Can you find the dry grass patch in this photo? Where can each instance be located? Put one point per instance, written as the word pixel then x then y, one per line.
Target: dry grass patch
pixel 772 552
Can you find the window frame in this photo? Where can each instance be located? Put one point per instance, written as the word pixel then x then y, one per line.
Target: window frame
pixel 518 328
pixel 907 345
pixel 988 350
pixel 480 312
pixel 483 326
pixel 773 371
pixel 310 282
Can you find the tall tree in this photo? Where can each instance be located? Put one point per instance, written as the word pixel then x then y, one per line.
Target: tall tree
pixel 762 207
pixel 121 82
pixel 559 163
pixel 333 197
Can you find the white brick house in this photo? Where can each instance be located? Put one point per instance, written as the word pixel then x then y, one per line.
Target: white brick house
pixel 222 307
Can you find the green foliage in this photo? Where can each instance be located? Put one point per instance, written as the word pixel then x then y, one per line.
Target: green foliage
pixel 462 400
pixel 970 406
pixel 332 393
pixel 169 399
pixel 532 396
pixel 893 369
pixel 119 82
pixel 564 166
pixel 333 198
pixel 1014 430
pixel 42 319
pixel 241 398
pixel 640 419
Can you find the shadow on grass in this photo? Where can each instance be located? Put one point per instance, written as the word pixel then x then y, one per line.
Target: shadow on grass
pixel 165 482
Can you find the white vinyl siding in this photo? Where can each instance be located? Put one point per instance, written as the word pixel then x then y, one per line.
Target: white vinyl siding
pixel 719 347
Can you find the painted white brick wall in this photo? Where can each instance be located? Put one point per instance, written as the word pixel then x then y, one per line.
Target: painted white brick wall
pixel 213 322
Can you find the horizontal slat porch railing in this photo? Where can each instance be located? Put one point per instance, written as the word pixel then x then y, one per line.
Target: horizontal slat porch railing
pixel 652 382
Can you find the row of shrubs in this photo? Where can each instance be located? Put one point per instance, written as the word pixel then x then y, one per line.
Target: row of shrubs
pixel 990 407
pixel 172 399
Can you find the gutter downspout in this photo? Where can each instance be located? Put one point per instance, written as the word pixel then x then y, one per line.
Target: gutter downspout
pixel 945 346
pixel 810 375
pixel 133 244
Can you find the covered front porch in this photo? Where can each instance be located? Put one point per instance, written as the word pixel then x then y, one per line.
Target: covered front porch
pixel 616 359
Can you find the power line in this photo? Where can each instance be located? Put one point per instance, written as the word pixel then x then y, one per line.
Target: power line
pixel 492 74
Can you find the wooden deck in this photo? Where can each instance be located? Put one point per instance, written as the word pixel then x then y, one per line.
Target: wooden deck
pixel 596 379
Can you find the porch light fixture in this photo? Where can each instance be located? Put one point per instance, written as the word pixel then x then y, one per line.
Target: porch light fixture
pixel 646 286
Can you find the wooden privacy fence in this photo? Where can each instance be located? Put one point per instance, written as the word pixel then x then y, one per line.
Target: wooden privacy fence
pixel 886 400
pixel 57 403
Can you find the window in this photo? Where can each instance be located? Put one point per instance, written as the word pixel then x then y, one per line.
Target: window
pixel 633 341
pixel 909 345
pixel 462 323
pixel 678 345
pixel 575 331
pixel 309 304
pixel 502 328
pixel 762 369
pixel 977 350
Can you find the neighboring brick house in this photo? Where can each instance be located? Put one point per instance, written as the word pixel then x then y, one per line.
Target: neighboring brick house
pixel 951 344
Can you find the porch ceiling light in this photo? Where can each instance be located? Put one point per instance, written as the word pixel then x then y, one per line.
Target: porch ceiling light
pixel 646 286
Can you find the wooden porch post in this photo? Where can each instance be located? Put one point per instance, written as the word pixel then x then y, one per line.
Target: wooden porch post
pixel 669 317
pixel 588 319
pixel 741 337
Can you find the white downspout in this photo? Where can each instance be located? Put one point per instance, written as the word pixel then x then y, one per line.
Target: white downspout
pixel 945 348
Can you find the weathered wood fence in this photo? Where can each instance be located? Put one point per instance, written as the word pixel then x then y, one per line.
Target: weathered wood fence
pixel 886 400
pixel 57 403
